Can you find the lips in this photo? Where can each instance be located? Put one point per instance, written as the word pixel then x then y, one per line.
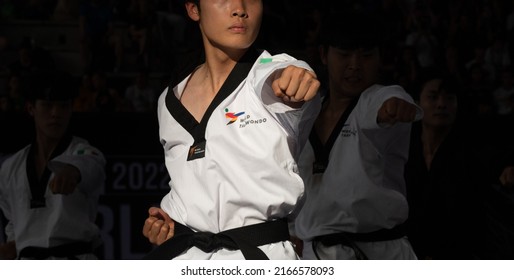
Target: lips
pixel 238 28
pixel 352 79
pixel 441 115
pixel 55 124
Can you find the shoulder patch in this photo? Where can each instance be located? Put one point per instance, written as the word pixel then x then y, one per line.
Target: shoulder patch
pixel 86 151
pixel 265 60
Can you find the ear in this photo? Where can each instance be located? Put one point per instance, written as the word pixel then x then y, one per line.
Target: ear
pixel 192 11
pixel 29 107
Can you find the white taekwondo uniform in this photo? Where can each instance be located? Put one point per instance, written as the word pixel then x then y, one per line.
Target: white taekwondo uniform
pixel 362 189
pixel 64 218
pixel 248 173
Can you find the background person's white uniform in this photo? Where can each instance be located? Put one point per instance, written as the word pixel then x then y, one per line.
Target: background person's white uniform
pixel 249 173
pixel 362 189
pixel 65 218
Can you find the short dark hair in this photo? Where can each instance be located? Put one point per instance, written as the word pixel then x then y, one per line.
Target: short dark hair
pixel 449 83
pixel 53 86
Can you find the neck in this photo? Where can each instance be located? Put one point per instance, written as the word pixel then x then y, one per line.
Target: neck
pixel 337 103
pixel 45 146
pixel 432 137
pixel 218 65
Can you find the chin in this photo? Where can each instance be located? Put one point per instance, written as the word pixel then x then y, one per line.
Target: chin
pixel 55 133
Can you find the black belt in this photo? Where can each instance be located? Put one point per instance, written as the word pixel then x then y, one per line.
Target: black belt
pixel 348 239
pixel 68 251
pixel 247 239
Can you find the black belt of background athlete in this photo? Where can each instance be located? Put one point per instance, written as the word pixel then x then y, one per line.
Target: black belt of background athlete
pixel 348 239
pixel 68 251
pixel 247 239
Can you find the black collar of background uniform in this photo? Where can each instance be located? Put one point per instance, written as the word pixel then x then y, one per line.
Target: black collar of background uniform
pixel 38 185
pixel 322 152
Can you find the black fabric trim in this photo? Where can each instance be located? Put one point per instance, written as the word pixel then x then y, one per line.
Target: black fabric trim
pixel 247 239
pixel 348 239
pixel 187 121
pixel 68 251
pixel 38 185
pixel 322 152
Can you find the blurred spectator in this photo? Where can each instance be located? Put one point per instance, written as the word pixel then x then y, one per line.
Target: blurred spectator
pixel 66 10
pixel 497 54
pixel 407 68
pixel 37 9
pixel 479 51
pixel 85 100
pixel 510 18
pixel 8 10
pixel 5 54
pixel 504 93
pixel 141 94
pixel 108 99
pixel 4 103
pixel 141 19
pixel 424 42
pixel 452 64
pixel 479 91
pixel 461 33
pixel 98 40
pixel 444 177
pixel 15 93
pixel 394 21
pixel 171 22
pixel 31 59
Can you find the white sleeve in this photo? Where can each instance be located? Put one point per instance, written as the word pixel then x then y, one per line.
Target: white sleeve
pixel 4 205
pixel 296 121
pixel 384 137
pixel 372 99
pixel 89 161
pixel 262 76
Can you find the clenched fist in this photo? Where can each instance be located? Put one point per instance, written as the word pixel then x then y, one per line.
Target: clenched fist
pixel 158 227
pixel 395 110
pixel 65 180
pixel 295 84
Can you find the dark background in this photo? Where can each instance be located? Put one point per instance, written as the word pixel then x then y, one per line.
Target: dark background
pixel 136 177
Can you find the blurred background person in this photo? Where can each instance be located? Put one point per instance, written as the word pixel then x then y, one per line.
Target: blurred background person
pixel 49 190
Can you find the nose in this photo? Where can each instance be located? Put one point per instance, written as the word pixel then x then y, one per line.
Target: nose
pixel 354 61
pixel 441 102
pixel 239 9
pixel 54 110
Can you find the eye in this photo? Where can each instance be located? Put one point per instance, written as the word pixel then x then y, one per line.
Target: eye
pixel 451 98
pixel 45 104
pixel 369 53
pixel 345 53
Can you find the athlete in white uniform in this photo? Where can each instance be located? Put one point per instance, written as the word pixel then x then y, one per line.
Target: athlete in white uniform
pixel 49 189
pixel 353 164
pixel 235 166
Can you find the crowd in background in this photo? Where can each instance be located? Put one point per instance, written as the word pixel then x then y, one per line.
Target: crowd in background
pixel 473 40
pixel 130 50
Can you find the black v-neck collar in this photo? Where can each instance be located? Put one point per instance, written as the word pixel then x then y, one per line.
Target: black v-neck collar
pixel 186 119
pixel 38 185
pixel 322 151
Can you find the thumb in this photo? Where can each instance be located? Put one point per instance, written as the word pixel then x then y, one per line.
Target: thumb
pixel 155 212
pixel 388 111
